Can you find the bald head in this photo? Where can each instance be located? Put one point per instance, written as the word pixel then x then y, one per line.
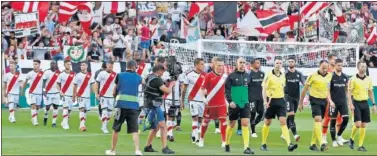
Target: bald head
pixel 241 64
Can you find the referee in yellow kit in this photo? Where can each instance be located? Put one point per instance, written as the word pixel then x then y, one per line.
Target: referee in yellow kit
pixel 319 85
pixel 360 87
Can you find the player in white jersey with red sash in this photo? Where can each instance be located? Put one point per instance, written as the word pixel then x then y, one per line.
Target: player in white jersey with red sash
pixel 65 87
pixel 34 96
pixel 140 70
pixel 81 89
pixel 215 103
pixel 12 84
pixel 192 83
pixel 105 80
pixel 51 94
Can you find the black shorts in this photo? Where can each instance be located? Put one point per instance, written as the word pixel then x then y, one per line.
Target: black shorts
pixel 257 106
pixel 362 112
pixel 118 52
pixel 292 104
pixel 278 108
pixel 318 106
pixel 130 116
pixel 340 107
pixel 236 113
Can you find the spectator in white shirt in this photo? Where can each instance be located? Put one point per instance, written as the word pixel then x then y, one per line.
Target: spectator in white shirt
pixel 176 14
pixel 119 46
pixel 154 30
pixel 108 45
pixel 129 39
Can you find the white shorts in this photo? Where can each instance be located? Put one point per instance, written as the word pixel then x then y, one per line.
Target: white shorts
pixel 66 101
pixel 196 108
pixel 52 99
pixel 83 103
pixel 13 98
pixel 107 102
pixel 35 99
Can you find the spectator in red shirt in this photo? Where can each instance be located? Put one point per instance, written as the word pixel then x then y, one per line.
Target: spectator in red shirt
pixel 145 39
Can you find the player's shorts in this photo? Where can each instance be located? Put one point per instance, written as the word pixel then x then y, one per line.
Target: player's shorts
pixel 128 115
pixel 196 108
pixel 213 113
pixel 170 108
pixel 52 98
pixel 236 113
pixel 340 108
pixel 35 99
pixel 278 108
pixel 318 106
pixel 257 106
pixel 292 104
pixel 66 102
pixel 361 112
pixel 13 98
pixel 107 102
pixel 84 103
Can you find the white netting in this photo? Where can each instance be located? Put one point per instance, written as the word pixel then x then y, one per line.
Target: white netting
pixel 308 55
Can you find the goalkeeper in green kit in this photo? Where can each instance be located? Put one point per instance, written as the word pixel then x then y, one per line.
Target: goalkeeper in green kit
pixel 237 95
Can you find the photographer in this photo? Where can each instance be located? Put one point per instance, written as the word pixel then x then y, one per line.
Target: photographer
pixel 154 90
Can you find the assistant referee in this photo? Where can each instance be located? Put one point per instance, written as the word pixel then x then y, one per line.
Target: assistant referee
pixel 127 106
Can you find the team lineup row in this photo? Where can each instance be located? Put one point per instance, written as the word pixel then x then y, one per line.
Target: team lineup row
pixel 241 95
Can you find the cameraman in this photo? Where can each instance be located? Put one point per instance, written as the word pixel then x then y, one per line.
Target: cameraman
pixel 154 90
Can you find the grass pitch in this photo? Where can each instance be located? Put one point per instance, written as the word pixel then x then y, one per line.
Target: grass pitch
pixel 22 138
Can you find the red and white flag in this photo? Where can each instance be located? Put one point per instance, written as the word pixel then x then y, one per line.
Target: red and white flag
pixel 249 25
pixel 113 7
pixel 272 20
pixel 339 14
pixel 40 7
pixel 67 9
pixel 311 8
pixel 372 39
pixel 198 7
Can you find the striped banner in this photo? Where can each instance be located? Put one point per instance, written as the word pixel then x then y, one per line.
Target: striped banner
pixel 26 24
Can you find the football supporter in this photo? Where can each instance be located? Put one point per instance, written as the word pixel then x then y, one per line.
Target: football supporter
pixel 215 104
pixel 12 85
pixel 360 88
pixel 50 93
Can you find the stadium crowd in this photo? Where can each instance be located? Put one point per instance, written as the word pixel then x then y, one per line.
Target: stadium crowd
pixel 117 36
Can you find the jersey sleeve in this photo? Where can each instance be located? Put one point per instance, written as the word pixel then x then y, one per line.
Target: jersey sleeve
pixel 28 76
pixel 91 80
pixel 5 80
pixel 309 80
pixel 265 80
pixel 351 83
pixel 370 85
pixel 76 80
pixel 302 78
pixel 99 77
pixel 186 79
pixel 205 82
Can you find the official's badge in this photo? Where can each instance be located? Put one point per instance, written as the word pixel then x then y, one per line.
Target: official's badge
pixel 16 76
pixel 344 80
pixel 39 74
pixel 56 74
pixel 298 75
pixel 112 75
pixel 87 76
pixel 71 75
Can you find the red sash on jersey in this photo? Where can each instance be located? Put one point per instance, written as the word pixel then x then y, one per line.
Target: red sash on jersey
pixel 52 81
pixel 107 83
pixel 68 81
pixel 84 84
pixel 154 30
pixel 196 87
pixel 171 84
pixel 12 82
pixel 141 68
pixel 215 89
pixel 36 81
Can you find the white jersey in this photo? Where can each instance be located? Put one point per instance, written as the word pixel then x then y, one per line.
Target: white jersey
pixel 176 88
pixel 16 87
pixel 62 79
pixel 48 76
pixel 190 80
pixel 31 76
pixel 102 78
pixel 79 80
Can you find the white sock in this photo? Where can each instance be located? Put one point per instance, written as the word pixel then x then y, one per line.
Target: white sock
pixel 54 115
pixel 34 115
pixel 104 118
pixel 170 127
pixel 65 115
pixel 82 119
pixel 194 127
pixel 11 110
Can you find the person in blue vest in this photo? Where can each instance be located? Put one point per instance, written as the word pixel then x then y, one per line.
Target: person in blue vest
pixel 127 106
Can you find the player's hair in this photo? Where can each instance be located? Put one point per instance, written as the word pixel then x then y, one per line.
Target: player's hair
pixel 12 62
pixel 254 60
pixel 110 62
pixel 37 61
pixel 66 61
pixel 217 59
pixel 161 60
pixel 278 58
pixel 84 62
pixel 360 62
pixel 157 68
pixel 103 66
pixel 338 60
pixel 330 56
pixel 323 61
pixel 214 59
pixel 197 61
pixel 292 58
pixel 131 64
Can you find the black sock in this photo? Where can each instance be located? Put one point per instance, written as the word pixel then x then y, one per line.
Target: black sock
pixel 100 110
pixel 179 118
pixel 217 123
pixel 343 126
pixel 239 124
pixel 333 129
pixel 292 124
pixel 258 118
pixel 252 121
pixel 289 122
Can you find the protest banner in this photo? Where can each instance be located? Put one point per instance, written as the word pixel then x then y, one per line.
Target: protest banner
pixel 146 9
pixel 26 24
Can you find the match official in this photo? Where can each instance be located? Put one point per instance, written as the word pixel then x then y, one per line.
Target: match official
pixel 360 87
pixel 127 106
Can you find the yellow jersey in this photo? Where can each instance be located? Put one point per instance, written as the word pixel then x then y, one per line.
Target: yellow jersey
pixel 359 87
pixel 319 85
pixel 275 84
